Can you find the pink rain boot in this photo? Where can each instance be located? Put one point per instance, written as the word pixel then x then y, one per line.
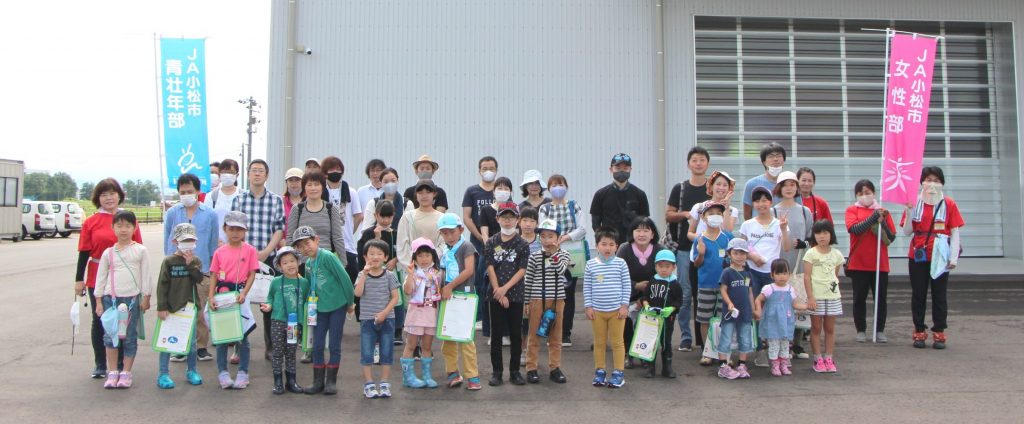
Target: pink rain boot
pixel 776 365
pixel 785 366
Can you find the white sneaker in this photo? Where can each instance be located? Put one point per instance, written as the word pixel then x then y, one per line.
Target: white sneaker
pixel 881 338
pixel 862 337
pixel 505 341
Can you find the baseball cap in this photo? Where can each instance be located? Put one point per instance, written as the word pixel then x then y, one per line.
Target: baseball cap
pixel 293 173
pixel 302 233
pixel 422 243
pixel 738 244
pixel 548 225
pixel 184 231
pixel 508 207
pixel 665 255
pixel 449 221
pixel 782 178
pixel 237 219
pixel 762 190
pixel 622 158
pixel 533 176
pixel 425 183
pixel 709 204
pixel 287 250
pixel 314 160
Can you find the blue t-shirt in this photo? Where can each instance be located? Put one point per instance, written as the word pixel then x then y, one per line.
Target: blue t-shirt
pixel 714 259
pixel 738 284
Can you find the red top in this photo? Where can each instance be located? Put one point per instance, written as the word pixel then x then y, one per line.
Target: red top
pixel 818 206
pixel 98 235
pixel 863 253
pixel 953 220
pixel 287 211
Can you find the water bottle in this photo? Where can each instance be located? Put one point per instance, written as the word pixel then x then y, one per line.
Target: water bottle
pixel 545 322
pixel 122 321
pixel 376 353
pixel 293 328
pixel 311 311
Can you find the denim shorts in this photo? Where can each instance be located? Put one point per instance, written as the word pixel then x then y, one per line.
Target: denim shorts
pixel 743 332
pixel 370 335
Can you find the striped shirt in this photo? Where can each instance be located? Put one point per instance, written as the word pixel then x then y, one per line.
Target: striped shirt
pixel 377 294
pixel 606 285
pixel 545 275
pixel 266 217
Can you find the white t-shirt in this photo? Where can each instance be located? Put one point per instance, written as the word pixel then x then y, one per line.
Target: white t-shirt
pixel 765 240
pixel 701 225
pixel 354 207
pixel 368 192
pixel 224 201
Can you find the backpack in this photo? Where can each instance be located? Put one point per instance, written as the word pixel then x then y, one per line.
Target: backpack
pixel 330 207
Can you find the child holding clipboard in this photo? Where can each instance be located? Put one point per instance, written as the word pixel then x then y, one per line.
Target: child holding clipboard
pixel 234 267
pixel 458 260
pixel 177 286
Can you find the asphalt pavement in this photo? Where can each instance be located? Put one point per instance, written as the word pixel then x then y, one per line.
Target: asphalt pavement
pixel 977 379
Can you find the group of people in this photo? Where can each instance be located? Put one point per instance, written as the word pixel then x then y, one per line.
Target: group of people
pixel 393 258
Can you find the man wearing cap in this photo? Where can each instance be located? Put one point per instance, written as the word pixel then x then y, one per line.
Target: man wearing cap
pixel 619 203
pixel 419 222
pixel 681 200
pixel 773 159
pixel 425 168
pixel 205 221
pixel 292 196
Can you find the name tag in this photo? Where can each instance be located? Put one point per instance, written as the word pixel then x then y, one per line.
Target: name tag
pixel 223 276
pixel 721 253
pixel 940 226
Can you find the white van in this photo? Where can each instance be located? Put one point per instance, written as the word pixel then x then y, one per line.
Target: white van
pixel 36 219
pixel 68 217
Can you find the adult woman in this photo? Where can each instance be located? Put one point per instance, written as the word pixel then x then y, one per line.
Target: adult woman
pixel 799 216
pixel 323 216
pixel 639 254
pixel 863 222
pixel 533 190
pixel 220 199
pixel 567 214
pixel 934 214
pixel 818 206
pixel 489 215
pixel 96 236
pixel 389 191
pixel 292 196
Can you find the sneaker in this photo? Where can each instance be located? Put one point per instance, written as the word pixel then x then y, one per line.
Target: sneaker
pixel 416 354
pixel 193 377
pixel 618 379
pixel 124 381
pixel 919 338
pixel 165 382
pixel 241 380
pixel 399 341
pixel 761 359
pixel 819 365
pixel 203 355
pixel 880 338
pixel 784 366
pixel 686 347
pixel 370 391
pixel 557 376
pixel 705 361
pixel 505 341
pixel 726 372
pixel 938 340
pixel 599 378
pixel 384 390
pixel 495 380
pixel 177 358
pixel 803 355
pixel 830 365
pixel 454 379
pixel 742 371
pixel 516 378
pixel 98 373
pixel 862 337
pixel 234 359
pixel 473 384
pixel 111 382
pixel 479 326
pixel 307 358
pixel 225 380
pixel 566 342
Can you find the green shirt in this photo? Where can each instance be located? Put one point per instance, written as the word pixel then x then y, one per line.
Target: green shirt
pixel 176 284
pixel 329 281
pixel 287 295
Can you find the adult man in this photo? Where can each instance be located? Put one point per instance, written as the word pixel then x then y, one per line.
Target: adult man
pixel 192 211
pixel 680 201
pixel 619 203
pixel 479 196
pixel 265 212
pixel 425 168
pixel 214 181
pixel 375 188
pixel 311 164
pixel 773 158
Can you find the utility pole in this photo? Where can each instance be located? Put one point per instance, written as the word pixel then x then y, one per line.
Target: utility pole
pixel 253 107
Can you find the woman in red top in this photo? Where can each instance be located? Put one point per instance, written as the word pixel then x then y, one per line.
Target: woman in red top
pixel 818 206
pixel 863 221
pixel 933 214
pixel 97 235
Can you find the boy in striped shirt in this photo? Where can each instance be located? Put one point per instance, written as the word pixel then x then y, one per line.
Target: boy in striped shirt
pixel 606 289
pixel 545 290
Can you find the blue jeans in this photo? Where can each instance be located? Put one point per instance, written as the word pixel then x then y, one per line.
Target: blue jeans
pixel 370 334
pixel 742 330
pixel 131 340
pixel 190 359
pixel 242 347
pixel 686 309
pixel 328 323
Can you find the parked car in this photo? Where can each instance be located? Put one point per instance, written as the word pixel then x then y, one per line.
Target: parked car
pixel 36 219
pixel 68 217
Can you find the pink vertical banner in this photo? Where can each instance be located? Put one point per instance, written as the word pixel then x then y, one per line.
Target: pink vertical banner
pixel 911 62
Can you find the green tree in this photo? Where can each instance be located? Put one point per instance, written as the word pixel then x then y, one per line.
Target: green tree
pixel 86 191
pixel 61 186
pixel 35 185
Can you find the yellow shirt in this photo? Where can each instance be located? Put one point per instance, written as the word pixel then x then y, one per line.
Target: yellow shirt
pixel 823 272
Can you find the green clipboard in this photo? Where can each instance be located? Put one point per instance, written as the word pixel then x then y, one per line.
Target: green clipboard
pixel 457 317
pixel 174 341
pixel 226 323
pixel 647 335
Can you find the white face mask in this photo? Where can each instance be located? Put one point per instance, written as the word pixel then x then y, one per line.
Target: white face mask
pixel 489 176
pixel 390 188
pixel 866 200
pixel 295 192
pixel 774 171
pixel 227 179
pixel 188 200
pixel 715 221
pixel 931 193
pixel 508 231
pixel 502 195
pixel 186 246
pixel 214 180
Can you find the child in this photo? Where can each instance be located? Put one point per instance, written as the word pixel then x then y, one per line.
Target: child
pixel 664 291
pixel 423 286
pixel 606 290
pixel 528 231
pixel 234 266
pixel 458 260
pixel 506 255
pixel 287 297
pixel 378 290
pixel 545 290
pixel 774 307
pixel 737 319
pixel 765 235
pixel 177 287
pixel 708 256
pixel 330 291
pixel 121 279
pixel 821 279
pixel 383 216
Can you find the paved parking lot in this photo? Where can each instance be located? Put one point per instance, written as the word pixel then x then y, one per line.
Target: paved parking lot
pixel 976 380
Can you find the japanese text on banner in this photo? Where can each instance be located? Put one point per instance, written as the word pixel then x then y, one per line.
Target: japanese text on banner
pixel 906 115
pixel 183 85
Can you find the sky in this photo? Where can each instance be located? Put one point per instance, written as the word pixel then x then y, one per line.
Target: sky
pixel 80 89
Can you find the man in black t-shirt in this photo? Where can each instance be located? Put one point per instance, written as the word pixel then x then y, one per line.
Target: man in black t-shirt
pixel 680 201
pixel 424 167
pixel 478 196
pixel 619 203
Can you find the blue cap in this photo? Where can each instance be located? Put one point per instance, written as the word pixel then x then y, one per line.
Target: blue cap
pixel 449 221
pixel 665 255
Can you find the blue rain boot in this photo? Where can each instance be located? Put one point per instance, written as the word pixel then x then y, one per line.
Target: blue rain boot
pixel 427 378
pixel 409 374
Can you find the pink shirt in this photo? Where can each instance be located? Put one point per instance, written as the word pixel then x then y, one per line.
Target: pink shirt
pixel 768 289
pixel 233 264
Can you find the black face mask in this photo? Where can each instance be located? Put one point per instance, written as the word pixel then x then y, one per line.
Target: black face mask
pixel 333 177
pixel 621 176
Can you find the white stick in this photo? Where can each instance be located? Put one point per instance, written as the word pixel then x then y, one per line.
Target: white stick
pixel 878 248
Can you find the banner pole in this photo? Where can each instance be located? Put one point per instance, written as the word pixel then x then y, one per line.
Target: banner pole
pixel 159 122
pixel 878 248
